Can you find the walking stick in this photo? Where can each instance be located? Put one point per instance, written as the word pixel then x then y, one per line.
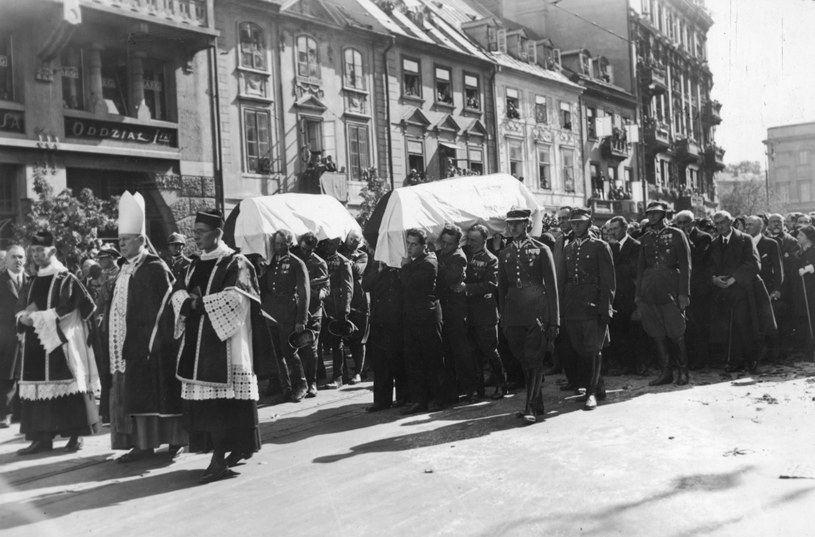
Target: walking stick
pixel 809 316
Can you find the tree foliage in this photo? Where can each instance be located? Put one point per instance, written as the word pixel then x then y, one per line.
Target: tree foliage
pixel 752 167
pixel 750 197
pixel 75 221
pixel 375 187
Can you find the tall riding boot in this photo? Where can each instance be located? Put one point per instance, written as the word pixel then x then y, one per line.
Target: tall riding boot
pixel 298 378
pixel 665 377
pixel 680 356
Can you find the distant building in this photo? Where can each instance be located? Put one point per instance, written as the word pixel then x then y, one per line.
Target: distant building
pixel 791 156
pixel 97 95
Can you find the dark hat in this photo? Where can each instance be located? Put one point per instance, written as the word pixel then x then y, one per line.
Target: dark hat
pixel 176 238
pixel 656 206
pixel 299 340
pixel 107 250
pixel 518 213
pixel 341 327
pixel 809 231
pixel 42 238
pixel 580 214
pixel 210 217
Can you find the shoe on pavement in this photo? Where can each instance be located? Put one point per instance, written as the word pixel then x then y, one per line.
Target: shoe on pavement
pixel 5 423
pixel 37 446
pixel 74 444
pixel 335 384
pixel 312 391
pixel 299 393
pixel 356 379
pixel 591 403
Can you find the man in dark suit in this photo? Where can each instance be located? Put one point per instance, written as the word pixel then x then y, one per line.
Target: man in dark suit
pixel 626 335
pixel 789 337
pixel 421 321
pixel 738 318
pixel 13 280
pixel 698 313
pixel 771 272
pixel 564 355
pixel 586 286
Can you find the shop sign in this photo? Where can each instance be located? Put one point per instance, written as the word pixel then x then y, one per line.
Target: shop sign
pixel 11 121
pixel 123 132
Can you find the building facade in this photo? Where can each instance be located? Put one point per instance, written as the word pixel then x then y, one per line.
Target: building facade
pixel 790 158
pixel 108 95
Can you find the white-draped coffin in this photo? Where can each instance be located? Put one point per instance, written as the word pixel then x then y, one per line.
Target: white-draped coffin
pixel 260 217
pixel 462 201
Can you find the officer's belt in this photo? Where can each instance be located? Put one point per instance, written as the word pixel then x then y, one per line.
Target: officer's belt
pixel 522 285
pixel 591 281
pixel 663 268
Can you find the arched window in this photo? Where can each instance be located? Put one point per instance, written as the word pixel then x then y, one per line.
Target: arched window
pixel 308 64
pixel 252 47
pixel 354 73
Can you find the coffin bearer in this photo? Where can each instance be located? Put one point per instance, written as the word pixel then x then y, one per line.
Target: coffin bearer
pixel 481 287
pixel 586 282
pixel 59 380
pixel 663 287
pixel 224 342
pixel 285 293
pixel 13 283
pixel 421 321
pixel 458 360
pixel 145 398
pixel 176 259
pixel 528 299
pixel 318 286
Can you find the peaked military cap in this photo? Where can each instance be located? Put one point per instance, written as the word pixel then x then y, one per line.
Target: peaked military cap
pixel 580 214
pixel 518 213
pixel 176 238
pixel 657 206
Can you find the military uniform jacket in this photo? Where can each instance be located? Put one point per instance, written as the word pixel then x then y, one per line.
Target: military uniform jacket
pixel 284 289
pixel 664 266
pixel 318 282
pixel 481 288
pixel 178 265
pixel 359 262
pixel 527 287
pixel 586 280
pixel 341 283
pixel 420 303
pixel 452 271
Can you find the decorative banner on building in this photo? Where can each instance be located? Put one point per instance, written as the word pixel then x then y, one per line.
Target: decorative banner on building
pixel 604 126
pixel 633 133
pixel 11 121
pixel 122 132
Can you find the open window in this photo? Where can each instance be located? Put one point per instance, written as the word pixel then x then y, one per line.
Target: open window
pixel 411 78
pixel 444 86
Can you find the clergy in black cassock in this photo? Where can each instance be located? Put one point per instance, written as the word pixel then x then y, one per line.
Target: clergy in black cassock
pixel 225 344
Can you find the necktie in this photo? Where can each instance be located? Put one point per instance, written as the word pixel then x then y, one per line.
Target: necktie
pixel 724 242
pixel 18 282
pixel 615 248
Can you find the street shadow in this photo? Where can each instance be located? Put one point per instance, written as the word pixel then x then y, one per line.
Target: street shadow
pixel 60 504
pixel 454 432
pixel 605 518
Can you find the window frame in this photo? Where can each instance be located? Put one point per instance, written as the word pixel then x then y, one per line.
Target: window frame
pixel 480 149
pixel 9 67
pixel 245 142
pixel 541 100
pixel 417 74
pixel 361 76
pixel 566 125
pixel 358 127
pixel 467 87
pixel 544 165
pixel 318 68
pixel 80 105
pixel 520 144
pixel 517 101
pixel 264 48
pixel 573 172
pixel 409 153
pixel 449 82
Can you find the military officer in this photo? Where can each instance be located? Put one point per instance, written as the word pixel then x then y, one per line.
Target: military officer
pixel 481 286
pixel 586 283
pixel 318 287
pixel 285 294
pixel 337 305
pixel 177 261
pixel 528 300
pixel 663 291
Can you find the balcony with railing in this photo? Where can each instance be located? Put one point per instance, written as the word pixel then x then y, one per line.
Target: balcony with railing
pixel 714 157
pixel 687 149
pixel 615 147
pixel 657 135
pixel 654 77
pixel 184 13
pixel 711 112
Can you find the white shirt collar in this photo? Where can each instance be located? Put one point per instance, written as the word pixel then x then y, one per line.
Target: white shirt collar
pixel 756 239
pixel 622 241
pixel 15 276
pixel 728 236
